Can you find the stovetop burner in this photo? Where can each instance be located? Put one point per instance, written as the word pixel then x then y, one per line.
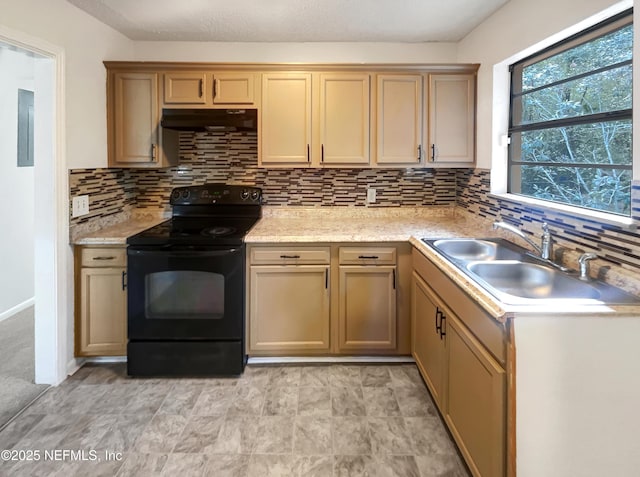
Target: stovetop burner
pixel 218 231
pixel 212 214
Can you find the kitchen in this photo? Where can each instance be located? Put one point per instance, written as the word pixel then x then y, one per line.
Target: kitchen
pixel 446 182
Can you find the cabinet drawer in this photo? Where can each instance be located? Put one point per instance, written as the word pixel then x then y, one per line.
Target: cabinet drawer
pixel 290 255
pixel 104 257
pixel 367 256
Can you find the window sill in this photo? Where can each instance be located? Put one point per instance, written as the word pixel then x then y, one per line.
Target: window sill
pixel 577 212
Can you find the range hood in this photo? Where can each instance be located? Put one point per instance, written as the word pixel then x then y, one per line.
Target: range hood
pixel 209 119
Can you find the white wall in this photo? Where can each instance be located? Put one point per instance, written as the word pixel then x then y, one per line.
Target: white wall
pixel 518 26
pixel 297 52
pixel 16 188
pixel 86 43
pixel 577 395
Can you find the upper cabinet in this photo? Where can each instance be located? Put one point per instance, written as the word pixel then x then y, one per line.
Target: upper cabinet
pixel 206 89
pixel 135 138
pixel 285 119
pixel 399 120
pixel 451 113
pixel 314 119
pixel 318 116
pixel 344 118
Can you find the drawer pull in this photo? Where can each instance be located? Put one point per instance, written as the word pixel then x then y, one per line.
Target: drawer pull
pixel 289 256
pixel 368 257
pixel 111 257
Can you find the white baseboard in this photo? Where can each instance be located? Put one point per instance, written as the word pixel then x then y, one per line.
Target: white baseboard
pixel 18 308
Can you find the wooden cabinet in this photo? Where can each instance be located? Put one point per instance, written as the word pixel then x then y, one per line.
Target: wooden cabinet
pixel 289 300
pixel 344 118
pixel 399 120
pixel 427 339
pixel 451 123
pixel 101 301
pixel 315 119
pixel 333 299
pixel 461 353
pixel 367 299
pixel 208 89
pixel 135 138
pixel 476 401
pixel 286 119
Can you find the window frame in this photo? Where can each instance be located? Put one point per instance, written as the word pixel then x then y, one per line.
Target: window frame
pixel 516 69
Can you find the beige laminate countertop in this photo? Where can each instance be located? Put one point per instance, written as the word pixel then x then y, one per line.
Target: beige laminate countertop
pixel 351 224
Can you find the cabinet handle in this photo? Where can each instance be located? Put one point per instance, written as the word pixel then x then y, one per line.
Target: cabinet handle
pixel 394 278
pixel 111 257
pixel 201 88
pixel 322 153
pixel 326 278
pixel 368 257
pixel 289 256
pixel 419 152
pixel 124 282
pixel 154 152
pixel 438 315
pixel 442 326
pixel 215 87
pixel 308 153
pixel 433 152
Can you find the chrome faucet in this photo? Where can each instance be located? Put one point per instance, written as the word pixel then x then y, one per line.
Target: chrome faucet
pixel 583 262
pixel 544 250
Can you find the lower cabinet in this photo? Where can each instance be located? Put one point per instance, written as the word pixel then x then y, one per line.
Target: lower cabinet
pixel 460 352
pixel 289 308
pixel 101 302
pixel 328 300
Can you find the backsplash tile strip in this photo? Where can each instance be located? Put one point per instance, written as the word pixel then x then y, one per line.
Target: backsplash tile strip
pixel 612 243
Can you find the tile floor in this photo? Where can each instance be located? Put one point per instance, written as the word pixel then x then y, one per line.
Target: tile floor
pixel 324 420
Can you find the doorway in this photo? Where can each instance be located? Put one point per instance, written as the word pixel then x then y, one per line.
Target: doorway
pixel 50 263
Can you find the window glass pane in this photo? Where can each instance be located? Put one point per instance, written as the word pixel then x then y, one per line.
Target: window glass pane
pixel 601 189
pixel 603 92
pixel 594 143
pixel 604 51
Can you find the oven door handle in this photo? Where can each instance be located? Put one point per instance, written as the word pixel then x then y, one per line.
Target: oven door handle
pixel 184 251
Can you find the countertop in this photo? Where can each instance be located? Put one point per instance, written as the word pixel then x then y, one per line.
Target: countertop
pixel 351 224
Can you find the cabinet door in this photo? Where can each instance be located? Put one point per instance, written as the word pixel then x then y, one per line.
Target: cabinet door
pixel 399 119
pixel 367 319
pixel 185 88
pixel 427 344
pixel 452 118
pixel 135 119
pixel 475 401
pixel 233 88
pixel 289 308
pixel 285 119
pixel 344 118
pixel 103 312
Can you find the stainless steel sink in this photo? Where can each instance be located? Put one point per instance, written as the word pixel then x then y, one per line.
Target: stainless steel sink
pixel 530 280
pixel 517 277
pixel 476 249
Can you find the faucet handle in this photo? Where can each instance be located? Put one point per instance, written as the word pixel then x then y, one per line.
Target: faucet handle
pixel 583 263
pixel 545 229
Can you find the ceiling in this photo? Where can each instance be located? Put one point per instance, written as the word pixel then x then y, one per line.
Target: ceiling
pixel 292 20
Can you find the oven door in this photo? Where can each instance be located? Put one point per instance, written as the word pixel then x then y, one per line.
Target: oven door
pixel 185 293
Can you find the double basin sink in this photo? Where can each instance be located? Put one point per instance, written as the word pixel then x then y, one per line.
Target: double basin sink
pixel 516 277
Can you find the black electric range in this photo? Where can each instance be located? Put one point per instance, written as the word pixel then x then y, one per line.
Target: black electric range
pixel 186 284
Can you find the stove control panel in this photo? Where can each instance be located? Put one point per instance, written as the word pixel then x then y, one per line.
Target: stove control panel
pixel 208 194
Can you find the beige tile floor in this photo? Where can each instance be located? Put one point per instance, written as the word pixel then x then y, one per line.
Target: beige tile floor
pixel 324 420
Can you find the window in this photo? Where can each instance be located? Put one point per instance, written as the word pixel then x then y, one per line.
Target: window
pixel 571 120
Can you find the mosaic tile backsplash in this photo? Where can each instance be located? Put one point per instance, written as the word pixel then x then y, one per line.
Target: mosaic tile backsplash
pixel 232 158
pixel 618 245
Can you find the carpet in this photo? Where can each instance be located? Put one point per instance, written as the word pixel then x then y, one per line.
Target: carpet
pixel 17 365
